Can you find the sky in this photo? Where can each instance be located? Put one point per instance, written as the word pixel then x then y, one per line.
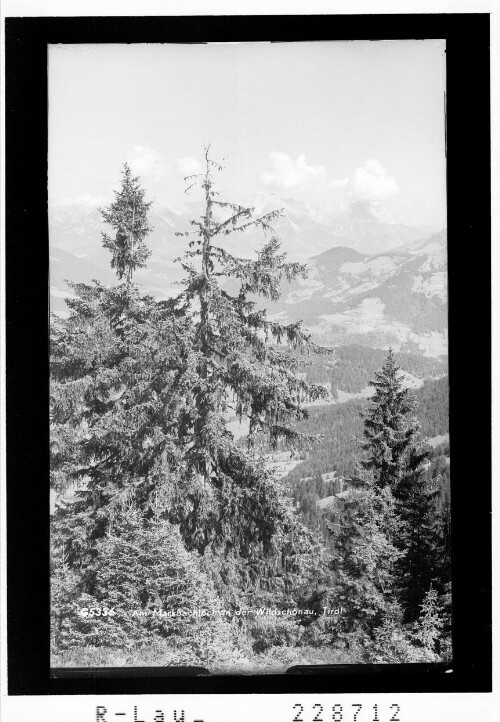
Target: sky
pixel 323 122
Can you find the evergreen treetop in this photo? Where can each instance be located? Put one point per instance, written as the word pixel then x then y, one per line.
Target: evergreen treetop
pixel 128 216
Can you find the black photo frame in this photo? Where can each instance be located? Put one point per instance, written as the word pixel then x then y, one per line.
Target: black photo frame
pixel 469 270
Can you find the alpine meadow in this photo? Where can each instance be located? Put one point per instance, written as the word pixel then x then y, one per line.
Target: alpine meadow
pixel 249 394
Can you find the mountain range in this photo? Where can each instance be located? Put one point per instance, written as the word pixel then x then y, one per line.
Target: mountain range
pixel 370 281
pixel 396 298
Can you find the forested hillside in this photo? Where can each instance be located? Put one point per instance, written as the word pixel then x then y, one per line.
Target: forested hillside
pixel 397 298
pixel 353 365
pixel 339 424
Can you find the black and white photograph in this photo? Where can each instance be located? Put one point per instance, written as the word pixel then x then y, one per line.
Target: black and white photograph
pixel 249 392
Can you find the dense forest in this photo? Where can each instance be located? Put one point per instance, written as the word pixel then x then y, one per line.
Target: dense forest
pixel 174 544
pixel 352 367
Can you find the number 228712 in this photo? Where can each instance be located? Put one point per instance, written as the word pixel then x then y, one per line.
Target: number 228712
pixel 347 713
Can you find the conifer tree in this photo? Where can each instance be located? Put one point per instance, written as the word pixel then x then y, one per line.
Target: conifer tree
pixel 128 216
pixel 236 510
pixel 394 460
pixel 119 380
pixel 389 433
pixel 428 628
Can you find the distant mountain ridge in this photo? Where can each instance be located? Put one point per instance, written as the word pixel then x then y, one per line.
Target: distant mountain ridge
pixel 397 298
pixel 395 294
pixel 305 230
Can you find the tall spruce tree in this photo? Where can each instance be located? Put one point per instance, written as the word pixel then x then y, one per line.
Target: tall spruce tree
pixel 246 365
pixel 389 433
pixel 394 460
pixel 119 381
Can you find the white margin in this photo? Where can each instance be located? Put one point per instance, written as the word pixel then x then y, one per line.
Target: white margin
pixel 219 708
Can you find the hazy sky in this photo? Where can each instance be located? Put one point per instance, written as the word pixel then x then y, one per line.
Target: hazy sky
pixel 325 121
